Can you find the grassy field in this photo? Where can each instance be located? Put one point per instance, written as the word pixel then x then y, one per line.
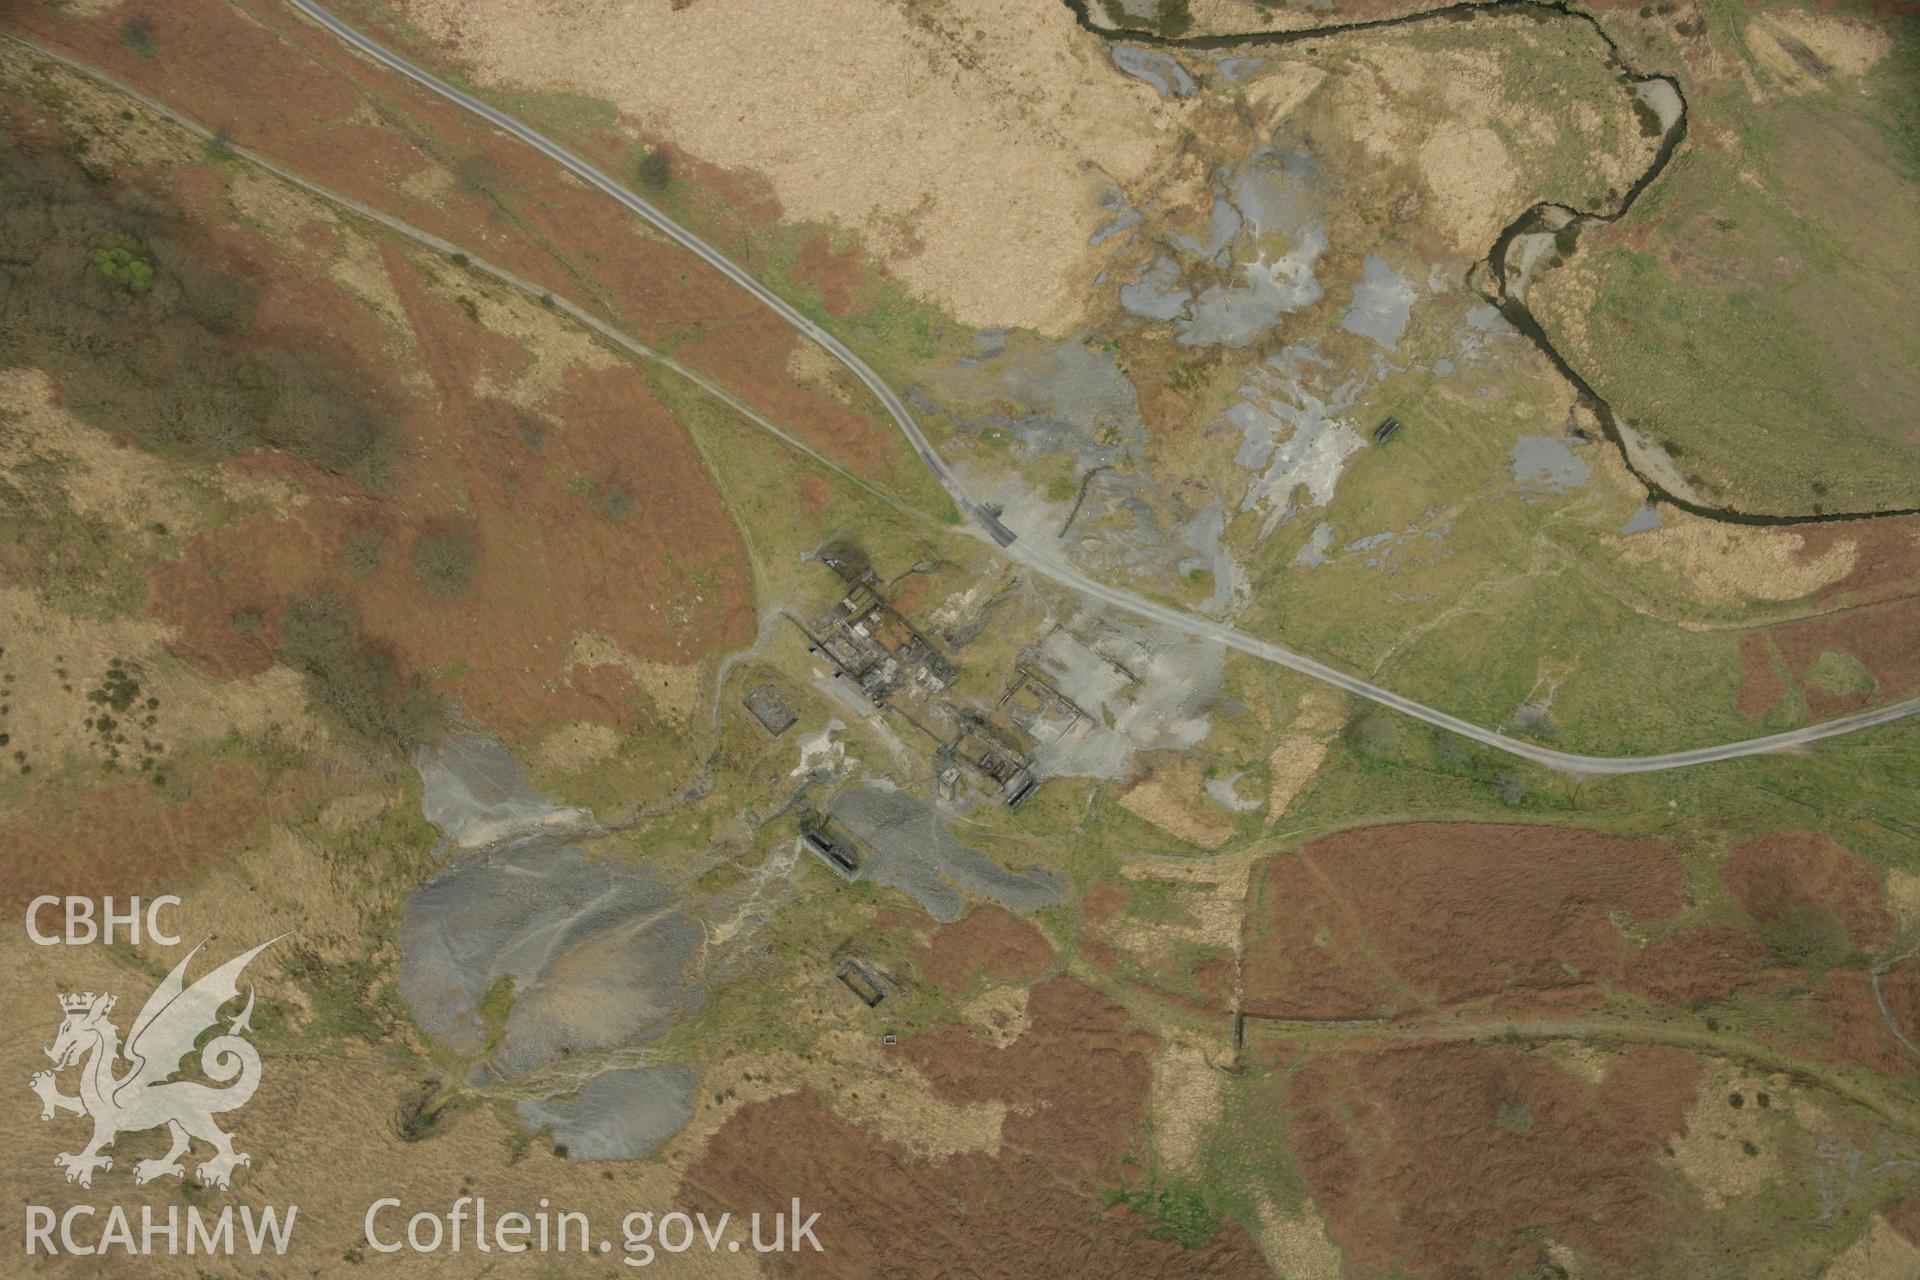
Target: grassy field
pixel 1856 788
pixel 1752 315
pixel 1450 582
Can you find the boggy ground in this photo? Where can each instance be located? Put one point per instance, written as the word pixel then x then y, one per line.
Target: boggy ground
pixel 1452 1019
pixel 1387 920
pixel 1487 921
pixel 1075 1084
pixel 1461 1160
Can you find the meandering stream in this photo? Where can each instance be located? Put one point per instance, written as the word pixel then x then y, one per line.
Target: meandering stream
pixel 1501 282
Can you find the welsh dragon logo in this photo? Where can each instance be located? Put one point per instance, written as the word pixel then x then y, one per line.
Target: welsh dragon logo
pixel 145 1096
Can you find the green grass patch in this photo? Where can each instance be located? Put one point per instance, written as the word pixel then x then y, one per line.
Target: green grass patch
pixel 495 1007
pixel 1809 938
pixel 1180 1212
pixel 1838 672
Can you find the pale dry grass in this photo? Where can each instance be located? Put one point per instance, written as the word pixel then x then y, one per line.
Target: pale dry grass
pixel 287 882
pixel 1175 809
pixel 672 689
pixel 1297 1245
pixel 1586 1061
pixel 963 143
pixel 93 110
pixel 1474 182
pixel 1710 1149
pixel 1290 767
pixel 289 214
pixel 1881 1254
pixel 343 813
pixel 1903 895
pixel 1183 1104
pixel 1280 90
pixel 1227 874
pixel 809 364
pixel 998 1015
pixel 571 748
pixel 1297 757
pixel 429 182
pixel 48 712
pixel 1214 917
pixel 1212 898
pixel 1726 564
pixel 1846 47
pixel 97 475
pixel 552 347
pixel 1321 712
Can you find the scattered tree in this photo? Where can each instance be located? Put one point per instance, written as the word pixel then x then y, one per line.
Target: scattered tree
pixel 655 172
pixel 121 259
pixel 355 681
pixel 445 558
pixel 362 552
pixel 99 283
pixel 137 35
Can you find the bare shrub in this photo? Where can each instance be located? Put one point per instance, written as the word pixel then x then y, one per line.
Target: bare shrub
pixel 363 551
pixel 354 681
pixel 106 288
pixel 445 559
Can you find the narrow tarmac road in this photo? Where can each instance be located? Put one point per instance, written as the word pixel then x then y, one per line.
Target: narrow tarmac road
pixel 1038 560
